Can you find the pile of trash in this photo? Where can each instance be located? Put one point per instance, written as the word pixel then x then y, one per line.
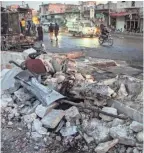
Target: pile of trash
pixel 69 110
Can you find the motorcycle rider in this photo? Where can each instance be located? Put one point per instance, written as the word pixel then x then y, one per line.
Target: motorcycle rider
pixel 104 31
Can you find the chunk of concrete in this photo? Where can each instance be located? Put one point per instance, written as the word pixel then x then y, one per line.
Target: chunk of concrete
pixel 97 130
pixel 121 133
pixel 139 136
pixel 72 113
pixel 40 110
pixel 94 89
pixel 104 147
pixel 122 93
pixel 36 136
pixel 130 112
pixel 23 96
pixel 29 118
pixel 88 139
pixel 117 122
pixel 68 131
pixel 79 77
pixel 38 127
pixel 52 119
pixel 136 126
pixel 7 78
pixel 5 100
pixel 108 110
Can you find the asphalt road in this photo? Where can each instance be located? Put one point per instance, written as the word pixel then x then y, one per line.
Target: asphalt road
pixel 128 49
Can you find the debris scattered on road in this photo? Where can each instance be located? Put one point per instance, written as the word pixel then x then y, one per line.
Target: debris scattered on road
pixel 69 108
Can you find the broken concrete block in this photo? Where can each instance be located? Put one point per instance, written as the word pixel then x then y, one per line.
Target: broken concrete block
pixel 117 122
pixel 52 119
pixel 7 80
pixel 135 150
pixel 121 133
pixel 139 136
pixel 60 78
pixel 108 110
pixel 38 127
pixel 23 96
pixel 97 130
pixel 104 147
pixel 5 100
pixel 67 131
pixel 87 138
pixel 36 136
pixel 94 89
pixel 29 118
pixel 72 113
pixel 122 91
pixel 40 110
pixel 136 126
pixel 79 77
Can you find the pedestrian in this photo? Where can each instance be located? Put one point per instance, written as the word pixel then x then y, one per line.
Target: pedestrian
pixel 23 25
pixel 28 27
pixel 56 31
pixel 51 30
pixel 40 32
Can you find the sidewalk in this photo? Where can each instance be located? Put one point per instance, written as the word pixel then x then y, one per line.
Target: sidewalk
pixel 128 35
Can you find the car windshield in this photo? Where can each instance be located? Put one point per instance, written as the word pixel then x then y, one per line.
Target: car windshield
pixel 87 25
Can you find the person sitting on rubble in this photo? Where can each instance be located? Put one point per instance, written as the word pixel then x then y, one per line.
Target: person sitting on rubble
pixel 104 31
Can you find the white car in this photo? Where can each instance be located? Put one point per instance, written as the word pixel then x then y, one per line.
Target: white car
pixel 81 28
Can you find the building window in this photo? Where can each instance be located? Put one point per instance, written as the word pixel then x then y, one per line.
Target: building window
pixel 133 3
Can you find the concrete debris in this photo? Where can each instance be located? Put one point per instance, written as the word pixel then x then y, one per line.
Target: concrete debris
pixel 94 90
pixel 97 130
pixel 87 138
pixel 136 126
pixel 139 136
pixel 122 91
pixel 104 147
pixel 52 119
pixel 29 118
pixel 67 131
pixel 117 122
pixel 23 95
pixel 38 127
pixel 108 110
pixel 40 111
pixel 122 133
pixel 8 81
pixel 135 150
pixel 63 108
pixel 72 113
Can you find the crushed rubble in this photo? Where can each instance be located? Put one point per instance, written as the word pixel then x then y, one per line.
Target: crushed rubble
pixel 68 109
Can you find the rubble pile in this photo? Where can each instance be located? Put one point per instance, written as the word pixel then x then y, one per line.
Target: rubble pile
pixel 68 110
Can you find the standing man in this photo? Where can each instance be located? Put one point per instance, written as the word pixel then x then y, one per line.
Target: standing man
pixel 51 29
pixel 40 32
pixel 23 25
pixel 56 31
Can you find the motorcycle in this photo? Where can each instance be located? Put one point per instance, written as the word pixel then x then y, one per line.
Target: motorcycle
pixel 106 39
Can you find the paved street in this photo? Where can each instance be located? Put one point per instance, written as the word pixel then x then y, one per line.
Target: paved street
pixel 129 49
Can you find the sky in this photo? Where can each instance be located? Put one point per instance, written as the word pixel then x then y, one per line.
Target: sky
pixel 35 4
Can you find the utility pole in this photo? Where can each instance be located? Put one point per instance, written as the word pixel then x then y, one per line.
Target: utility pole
pixel 109 19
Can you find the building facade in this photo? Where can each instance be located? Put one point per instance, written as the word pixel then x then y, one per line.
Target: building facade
pixel 127 15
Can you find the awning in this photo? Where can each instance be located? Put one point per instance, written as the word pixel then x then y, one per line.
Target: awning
pixel 119 14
